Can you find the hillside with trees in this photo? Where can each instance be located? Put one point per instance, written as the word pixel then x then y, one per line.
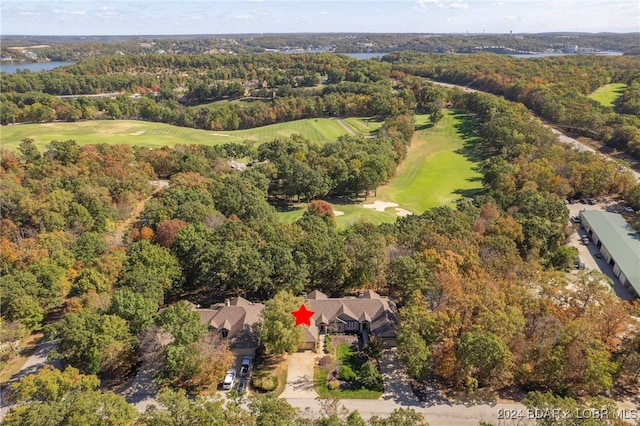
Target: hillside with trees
pixel 554 88
pixel 484 300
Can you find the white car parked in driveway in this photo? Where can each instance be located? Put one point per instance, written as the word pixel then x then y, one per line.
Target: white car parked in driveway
pixel 229 379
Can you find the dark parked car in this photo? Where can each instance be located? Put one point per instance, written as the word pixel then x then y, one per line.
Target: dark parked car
pixel 246 365
pixel 591 201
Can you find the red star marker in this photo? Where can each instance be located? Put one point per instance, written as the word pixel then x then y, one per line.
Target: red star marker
pixel 302 315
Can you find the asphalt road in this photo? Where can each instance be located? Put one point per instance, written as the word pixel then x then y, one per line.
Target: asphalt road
pixel 435 415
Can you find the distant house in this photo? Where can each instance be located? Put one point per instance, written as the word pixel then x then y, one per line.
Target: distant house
pixel 233 320
pixel 368 314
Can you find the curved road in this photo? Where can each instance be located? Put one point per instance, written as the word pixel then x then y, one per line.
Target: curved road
pixel 561 136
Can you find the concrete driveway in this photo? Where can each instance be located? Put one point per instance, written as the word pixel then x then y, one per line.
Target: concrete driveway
pixel 396 382
pixel 300 376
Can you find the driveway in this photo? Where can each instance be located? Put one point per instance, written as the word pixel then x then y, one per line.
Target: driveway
pixel 396 382
pixel 300 376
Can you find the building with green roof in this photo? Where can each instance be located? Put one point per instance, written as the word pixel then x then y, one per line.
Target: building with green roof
pixel 619 245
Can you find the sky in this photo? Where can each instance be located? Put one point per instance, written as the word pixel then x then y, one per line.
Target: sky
pixel 168 17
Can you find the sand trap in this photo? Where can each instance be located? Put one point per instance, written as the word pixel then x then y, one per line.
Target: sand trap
pixel 379 205
pixel 138 133
pixel 402 212
pixel 338 213
pixel 219 134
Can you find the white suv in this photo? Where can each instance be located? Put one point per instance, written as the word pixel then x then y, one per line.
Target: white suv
pixel 229 379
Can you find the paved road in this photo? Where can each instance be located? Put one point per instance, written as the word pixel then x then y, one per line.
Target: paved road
pixel 435 415
pixel 35 362
pixel 398 394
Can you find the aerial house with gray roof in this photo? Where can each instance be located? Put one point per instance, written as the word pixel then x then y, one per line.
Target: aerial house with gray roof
pixel 619 245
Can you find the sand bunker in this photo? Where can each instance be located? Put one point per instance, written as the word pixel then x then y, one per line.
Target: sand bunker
pixel 379 205
pixel 338 213
pixel 402 212
pixel 138 133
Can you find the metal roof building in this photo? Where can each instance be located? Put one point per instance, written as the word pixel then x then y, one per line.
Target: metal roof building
pixel 619 244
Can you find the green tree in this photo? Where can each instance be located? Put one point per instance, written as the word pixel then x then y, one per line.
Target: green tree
pixel 92 342
pixel 550 403
pixel 53 397
pixel 182 322
pixel 400 417
pixel 29 151
pixel 88 246
pixel 133 307
pixel 179 410
pixel 483 357
pixel 151 270
pixel 278 332
pixel 270 410
pixel 90 280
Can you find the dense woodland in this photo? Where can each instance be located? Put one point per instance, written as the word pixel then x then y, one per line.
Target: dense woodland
pixel 555 88
pixel 199 91
pixel 60 48
pixel 484 300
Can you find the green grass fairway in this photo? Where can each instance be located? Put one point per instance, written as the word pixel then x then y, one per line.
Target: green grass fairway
pixel 352 213
pixel 362 125
pixel 435 173
pixel 608 94
pixel 143 133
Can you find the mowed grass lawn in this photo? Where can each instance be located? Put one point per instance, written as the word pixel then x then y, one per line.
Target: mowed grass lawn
pixel 143 133
pixel 608 94
pixel 352 213
pixel 436 172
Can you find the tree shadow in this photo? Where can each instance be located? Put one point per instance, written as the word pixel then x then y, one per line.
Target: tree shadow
pixel 424 126
pixel 473 147
pixel 282 207
pixel 344 200
pixel 470 193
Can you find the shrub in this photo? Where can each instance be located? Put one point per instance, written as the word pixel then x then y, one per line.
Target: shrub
pixel 327 344
pixel 370 377
pixel 333 384
pixel 266 383
pixel 346 373
pixel 325 361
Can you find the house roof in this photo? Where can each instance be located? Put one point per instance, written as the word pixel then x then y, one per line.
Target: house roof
pixel 379 311
pixel 620 239
pixel 237 316
pixel 315 294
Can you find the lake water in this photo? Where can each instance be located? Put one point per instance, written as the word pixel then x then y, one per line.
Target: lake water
pixel 365 55
pixel 33 67
pixel 547 54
